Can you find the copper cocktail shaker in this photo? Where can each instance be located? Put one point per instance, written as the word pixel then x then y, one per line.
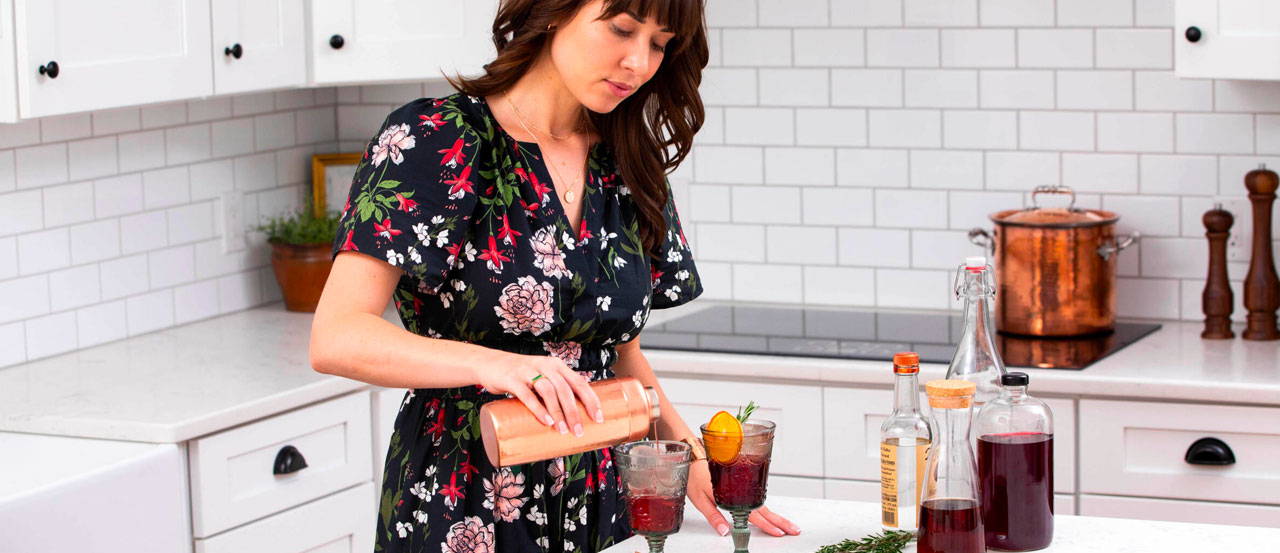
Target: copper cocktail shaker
pixel 513 436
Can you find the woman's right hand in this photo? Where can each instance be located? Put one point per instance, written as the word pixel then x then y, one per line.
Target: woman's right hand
pixel 551 398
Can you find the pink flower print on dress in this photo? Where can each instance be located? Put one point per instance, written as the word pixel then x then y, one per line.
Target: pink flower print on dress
pixel 525 306
pixel 392 143
pixel 547 255
pixel 494 256
pixel 384 229
pixel 459 187
pixel 470 535
pixel 406 205
pixel 435 121
pixel 569 352
pixel 453 155
pixel 555 469
pixel 504 494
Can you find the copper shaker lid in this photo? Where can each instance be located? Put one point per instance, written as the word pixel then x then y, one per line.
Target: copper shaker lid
pixel 1054 217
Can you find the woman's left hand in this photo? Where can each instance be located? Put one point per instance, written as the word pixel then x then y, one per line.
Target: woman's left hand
pixel 700 494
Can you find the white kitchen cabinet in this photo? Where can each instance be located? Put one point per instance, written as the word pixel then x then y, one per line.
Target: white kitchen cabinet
pixel 1204 512
pixel 386 406
pixel 258 45
pixel 367 41
pixel 1227 39
pixel 797 411
pixel 8 77
pixel 339 523
pixel 97 55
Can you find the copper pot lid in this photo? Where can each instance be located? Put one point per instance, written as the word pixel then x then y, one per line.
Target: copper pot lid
pixel 1054 217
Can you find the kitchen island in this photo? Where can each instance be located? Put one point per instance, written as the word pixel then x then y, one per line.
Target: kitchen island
pixel 825 521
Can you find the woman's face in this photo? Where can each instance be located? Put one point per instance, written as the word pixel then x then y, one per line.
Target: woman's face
pixel 604 61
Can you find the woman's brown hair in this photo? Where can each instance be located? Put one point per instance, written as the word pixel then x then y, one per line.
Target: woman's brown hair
pixel 650 132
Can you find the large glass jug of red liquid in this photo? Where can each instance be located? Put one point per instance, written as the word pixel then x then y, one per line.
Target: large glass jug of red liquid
pixel 1015 468
pixel 949 518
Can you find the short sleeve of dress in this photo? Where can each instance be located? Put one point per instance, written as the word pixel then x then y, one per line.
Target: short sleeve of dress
pixel 412 196
pixel 674 275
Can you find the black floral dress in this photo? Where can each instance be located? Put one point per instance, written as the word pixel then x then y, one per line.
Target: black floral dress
pixel 472 217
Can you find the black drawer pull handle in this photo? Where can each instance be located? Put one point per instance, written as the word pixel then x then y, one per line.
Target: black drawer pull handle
pixel 336 42
pixel 50 70
pixel 289 460
pixel 234 51
pixel 1210 451
pixel 1194 34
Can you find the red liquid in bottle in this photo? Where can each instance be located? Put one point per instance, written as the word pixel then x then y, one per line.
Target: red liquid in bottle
pixel 655 515
pixel 1015 472
pixel 950 526
pixel 740 484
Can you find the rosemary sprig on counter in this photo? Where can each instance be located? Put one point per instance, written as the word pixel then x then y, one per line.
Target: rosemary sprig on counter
pixel 745 413
pixel 891 541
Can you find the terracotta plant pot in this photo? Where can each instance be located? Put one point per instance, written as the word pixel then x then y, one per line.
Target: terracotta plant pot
pixel 301 270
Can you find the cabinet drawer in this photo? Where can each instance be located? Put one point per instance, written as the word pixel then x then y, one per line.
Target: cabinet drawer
pixel 852 422
pixel 1138 448
pixel 340 523
pixel 797 410
pixel 1176 510
pixel 232 479
pixel 856 490
pixel 795 486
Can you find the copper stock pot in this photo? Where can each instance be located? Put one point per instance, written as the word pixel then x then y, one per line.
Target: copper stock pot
pixel 1055 267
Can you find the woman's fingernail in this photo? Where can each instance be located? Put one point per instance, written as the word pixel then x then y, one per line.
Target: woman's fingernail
pixel 550 421
pixel 723 529
pixel 577 430
pixel 563 429
pixel 599 415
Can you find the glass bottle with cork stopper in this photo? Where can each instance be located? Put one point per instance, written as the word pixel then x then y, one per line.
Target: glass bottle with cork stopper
pixel 949 517
pixel 904 443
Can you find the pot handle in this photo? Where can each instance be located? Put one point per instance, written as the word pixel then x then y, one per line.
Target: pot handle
pixel 980 237
pixel 1053 189
pixel 1118 244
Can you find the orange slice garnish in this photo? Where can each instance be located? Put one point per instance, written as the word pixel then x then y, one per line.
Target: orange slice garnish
pixel 723 438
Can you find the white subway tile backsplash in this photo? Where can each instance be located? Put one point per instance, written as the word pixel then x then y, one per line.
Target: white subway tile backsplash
pixel 1016 13
pixel 756 47
pixel 1163 91
pixel 190 223
pixel 1268 134
pixel 807 245
pixel 1232 170
pixel 1135 132
pixel 117 195
pixel 768 283
pixel 50 335
pixel 256 172
pixel 1135 48
pixel 794 87
pixel 1050 130
pixel 8 180
pixel 839 286
pixel 1206 133
pixel 905 128
pixel 1175 257
pixel 143 232
pixel 60 128
pixel 1246 95
pixel 729 13
pixel 724 87
pixel 773 126
pixel 209 109
pixel 766 204
pixel 1147 298
pixel 43 251
pixel 293 165
pixel 68 203
pixel 731 242
pixel 940 13
pixel 903 48
pixel 717 280
pixel 874 247
pixel 730 165
pixel 866 13
pixel 1150 215
pixel 831 127
pixel 911 209
pixel 1095 13
pixel 95 241
pixel 141 150
pixel 912 289
pixel 187 144
pixel 171 266
pixel 1095 90
pixel 1019 89
pixel 195 301
pixel 101 323
pixel 251 104
pixel 1179 174
pixel 829 47
pixel 92 158
pixel 838 206
pixel 317 125
pixel 149 312
pixel 804 166
pixel 210 179
pixel 792 13
pixel 8 257
pixel 74 287
pixel 41 165
pixel 211 261
pixel 1153 13
pixel 978 47
pixel 25 297
pixel 973 209
pixel 116 121
pixel 940 249
pixel 1022 171
pixel 231 138
pixel 294 99
pixel 13 344
pixel 165 187
pixel 946 169
pixel 274 131
pixel 866 87
pixel 872 168
pixel 980 129
pixel 945 88
pixel 1100 172
pixel 1055 48
pixel 710 202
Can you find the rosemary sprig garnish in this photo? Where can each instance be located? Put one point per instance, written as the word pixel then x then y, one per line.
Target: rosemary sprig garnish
pixel 744 414
pixel 891 541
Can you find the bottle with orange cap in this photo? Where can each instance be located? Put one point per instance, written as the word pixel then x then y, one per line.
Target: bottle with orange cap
pixel 904 442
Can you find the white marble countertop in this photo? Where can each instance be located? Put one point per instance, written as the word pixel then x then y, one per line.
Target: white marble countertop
pixel 1173 364
pixel 826 521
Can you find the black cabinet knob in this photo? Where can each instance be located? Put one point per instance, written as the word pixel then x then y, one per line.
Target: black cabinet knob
pixel 1210 451
pixel 1194 34
pixel 50 70
pixel 336 41
pixel 234 51
pixel 289 460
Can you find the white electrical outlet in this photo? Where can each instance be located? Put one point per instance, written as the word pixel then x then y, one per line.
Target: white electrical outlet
pixel 232 203
pixel 1240 241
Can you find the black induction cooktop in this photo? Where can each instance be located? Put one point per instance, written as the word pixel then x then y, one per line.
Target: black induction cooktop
pixel 866 334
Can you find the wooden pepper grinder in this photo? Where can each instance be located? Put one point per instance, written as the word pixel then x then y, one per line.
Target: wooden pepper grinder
pixel 1261 287
pixel 1217 299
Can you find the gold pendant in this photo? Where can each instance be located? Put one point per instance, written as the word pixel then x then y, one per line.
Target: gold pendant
pixel 569 197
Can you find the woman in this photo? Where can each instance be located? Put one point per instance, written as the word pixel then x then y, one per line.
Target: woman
pixel 524 228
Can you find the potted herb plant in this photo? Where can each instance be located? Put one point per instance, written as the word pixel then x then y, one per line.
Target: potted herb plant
pixel 301 255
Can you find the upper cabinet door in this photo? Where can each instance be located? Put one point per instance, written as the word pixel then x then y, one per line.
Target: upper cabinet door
pixel 397 40
pixel 8 84
pixel 258 45
pixel 1228 39
pixel 80 55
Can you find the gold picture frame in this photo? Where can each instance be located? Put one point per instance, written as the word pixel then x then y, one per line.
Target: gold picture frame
pixel 328 185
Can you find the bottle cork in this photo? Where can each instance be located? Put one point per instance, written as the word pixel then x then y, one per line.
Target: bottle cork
pixel 950 394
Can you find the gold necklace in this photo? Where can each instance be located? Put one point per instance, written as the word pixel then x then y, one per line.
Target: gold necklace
pixel 566 198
